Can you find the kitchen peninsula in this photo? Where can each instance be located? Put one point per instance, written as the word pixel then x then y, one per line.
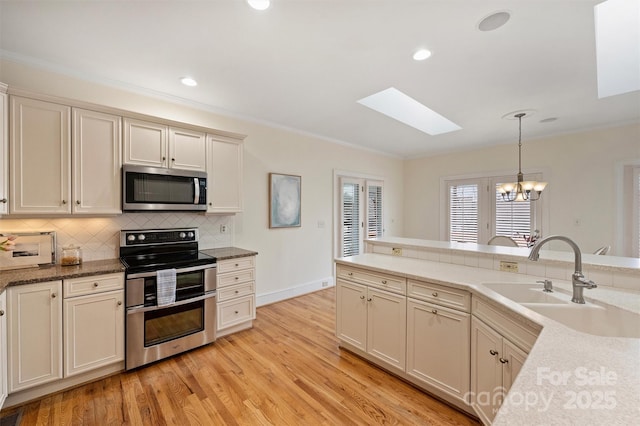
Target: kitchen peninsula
pixel 601 382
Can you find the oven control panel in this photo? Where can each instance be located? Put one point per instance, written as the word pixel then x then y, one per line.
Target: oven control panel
pixel 157 236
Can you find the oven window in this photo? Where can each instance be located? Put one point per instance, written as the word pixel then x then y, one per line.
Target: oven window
pixel 173 322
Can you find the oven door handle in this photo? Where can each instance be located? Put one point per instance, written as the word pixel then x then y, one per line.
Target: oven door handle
pixel 178 271
pixel 141 309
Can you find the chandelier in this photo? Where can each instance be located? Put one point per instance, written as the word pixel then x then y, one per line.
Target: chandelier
pixel 522 190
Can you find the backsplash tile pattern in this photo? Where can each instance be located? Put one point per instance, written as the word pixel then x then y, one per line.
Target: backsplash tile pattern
pixel 99 237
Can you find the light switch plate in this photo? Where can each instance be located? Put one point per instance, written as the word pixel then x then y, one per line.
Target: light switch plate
pixel 396 251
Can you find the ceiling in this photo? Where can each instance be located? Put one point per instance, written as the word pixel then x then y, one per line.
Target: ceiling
pixel 304 64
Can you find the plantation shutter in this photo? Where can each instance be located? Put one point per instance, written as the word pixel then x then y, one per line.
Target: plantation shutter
pixel 350 220
pixel 513 219
pixel 463 212
pixel 636 209
pixel 374 209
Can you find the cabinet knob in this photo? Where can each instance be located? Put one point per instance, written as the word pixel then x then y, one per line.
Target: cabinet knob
pixel 434 294
pixel 369 299
pixel 1 313
pixel 78 202
pixel 350 274
pixel 504 361
pixel 119 302
pixel 237 312
pixel 237 264
pixel 64 202
pixel 237 278
pixel 173 159
pixel 210 204
pixel 362 297
pixel 237 292
pixel 384 281
pixel 164 158
pixel 434 311
pixel 492 352
pixel 95 284
pixel 53 295
pixel 4 200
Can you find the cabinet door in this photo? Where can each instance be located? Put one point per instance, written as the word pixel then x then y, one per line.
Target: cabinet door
pixel 40 157
pixel 145 143
pixel 386 327
pixel 187 150
pixel 438 347
pixel 513 359
pixel 224 171
pixel 4 151
pixel 94 331
pixel 351 313
pixel 35 334
pixel 486 370
pixel 4 390
pixel 96 162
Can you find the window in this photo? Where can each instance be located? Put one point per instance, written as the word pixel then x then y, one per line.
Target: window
pixel 360 213
pixel 476 212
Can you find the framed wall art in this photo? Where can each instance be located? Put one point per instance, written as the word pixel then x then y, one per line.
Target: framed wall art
pixel 284 200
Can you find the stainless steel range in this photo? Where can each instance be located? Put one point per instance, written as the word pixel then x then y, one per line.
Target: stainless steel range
pixel 156 329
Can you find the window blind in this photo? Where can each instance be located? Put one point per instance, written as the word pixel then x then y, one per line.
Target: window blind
pixel 513 219
pixel 374 210
pixel 350 219
pixel 463 213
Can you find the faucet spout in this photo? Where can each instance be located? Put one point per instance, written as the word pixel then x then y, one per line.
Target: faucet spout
pixel 578 280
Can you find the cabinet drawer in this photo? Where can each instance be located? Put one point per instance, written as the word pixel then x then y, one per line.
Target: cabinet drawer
pixel 236 311
pixel 522 335
pixel 226 280
pixel 236 264
pixel 91 285
pixel 439 294
pixel 239 290
pixel 383 281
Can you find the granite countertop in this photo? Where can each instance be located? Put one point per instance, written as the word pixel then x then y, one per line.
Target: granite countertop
pixel 58 272
pixel 569 377
pixel 225 253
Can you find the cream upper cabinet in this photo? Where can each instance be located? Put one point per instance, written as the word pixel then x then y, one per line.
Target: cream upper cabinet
pixel 96 162
pixel 40 157
pixel 4 389
pixel 35 334
pixel 158 145
pixel 187 150
pixel 224 173
pixel 4 151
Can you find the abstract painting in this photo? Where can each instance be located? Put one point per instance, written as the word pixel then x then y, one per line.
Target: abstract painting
pixel 284 200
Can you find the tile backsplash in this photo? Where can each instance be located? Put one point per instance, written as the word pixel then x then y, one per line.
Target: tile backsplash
pixel 99 237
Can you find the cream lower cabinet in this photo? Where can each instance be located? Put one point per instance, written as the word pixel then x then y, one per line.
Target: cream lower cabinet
pixel 371 318
pixel 499 348
pixel 4 387
pixel 93 322
pixel 224 171
pixel 236 298
pixel 35 334
pixel 4 150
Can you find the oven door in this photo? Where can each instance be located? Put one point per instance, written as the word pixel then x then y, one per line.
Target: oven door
pixel 157 332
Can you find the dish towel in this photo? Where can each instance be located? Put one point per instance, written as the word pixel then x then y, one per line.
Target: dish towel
pixel 166 286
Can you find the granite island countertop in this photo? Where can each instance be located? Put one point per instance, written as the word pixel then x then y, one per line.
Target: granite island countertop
pixel 58 272
pixel 601 378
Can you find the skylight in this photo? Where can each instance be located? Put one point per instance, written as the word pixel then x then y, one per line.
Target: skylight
pixel 617 46
pixel 395 104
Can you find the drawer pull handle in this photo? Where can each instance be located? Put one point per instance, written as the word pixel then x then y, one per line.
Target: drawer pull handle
pixel 1 313
pixel 362 297
pixel 95 284
pixel 492 352
pixel 3 201
pixel 504 361
pixel 434 294
pixel 434 311
pixel 384 281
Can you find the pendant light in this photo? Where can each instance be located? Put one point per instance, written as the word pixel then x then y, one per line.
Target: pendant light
pixel 521 190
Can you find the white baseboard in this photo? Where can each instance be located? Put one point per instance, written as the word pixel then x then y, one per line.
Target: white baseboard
pixel 298 290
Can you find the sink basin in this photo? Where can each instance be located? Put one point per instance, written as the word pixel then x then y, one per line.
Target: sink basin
pixel 527 293
pixel 592 318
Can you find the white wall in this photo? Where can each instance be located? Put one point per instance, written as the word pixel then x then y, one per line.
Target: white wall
pixel 583 171
pixel 288 258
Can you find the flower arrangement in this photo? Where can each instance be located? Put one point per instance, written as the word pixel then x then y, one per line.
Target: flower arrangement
pixel 7 245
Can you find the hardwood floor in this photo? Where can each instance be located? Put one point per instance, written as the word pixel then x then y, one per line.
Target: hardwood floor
pixel 287 370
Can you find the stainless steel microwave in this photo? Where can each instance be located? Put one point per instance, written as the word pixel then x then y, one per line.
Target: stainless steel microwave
pixel 161 189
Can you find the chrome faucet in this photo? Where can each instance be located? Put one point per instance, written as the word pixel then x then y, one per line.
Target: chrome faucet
pixel 577 279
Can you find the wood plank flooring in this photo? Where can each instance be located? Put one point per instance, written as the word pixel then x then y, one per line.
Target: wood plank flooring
pixel 287 370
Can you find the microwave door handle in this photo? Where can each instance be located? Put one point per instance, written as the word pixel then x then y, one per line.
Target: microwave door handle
pixel 196 197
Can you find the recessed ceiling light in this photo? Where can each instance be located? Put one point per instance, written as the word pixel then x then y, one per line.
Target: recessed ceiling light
pixel 494 21
pixel 421 54
pixel 395 104
pixel 259 4
pixel 188 81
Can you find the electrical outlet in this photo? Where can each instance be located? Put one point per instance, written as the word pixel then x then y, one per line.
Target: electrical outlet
pixel 508 266
pixel 223 229
pixel 325 283
pixel 396 251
